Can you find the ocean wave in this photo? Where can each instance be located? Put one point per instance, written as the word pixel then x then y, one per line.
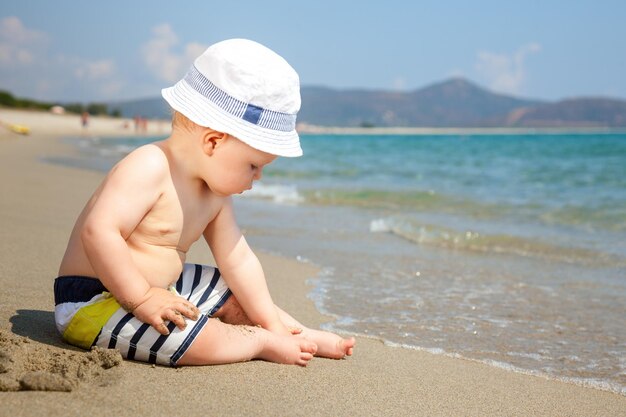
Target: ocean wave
pixel 468 240
pixel 609 217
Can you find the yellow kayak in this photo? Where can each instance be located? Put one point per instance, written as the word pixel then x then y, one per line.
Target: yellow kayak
pixel 20 129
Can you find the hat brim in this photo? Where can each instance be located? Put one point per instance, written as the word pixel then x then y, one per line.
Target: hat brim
pixel 200 110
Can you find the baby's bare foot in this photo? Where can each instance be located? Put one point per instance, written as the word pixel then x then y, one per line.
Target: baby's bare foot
pixel 330 345
pixel 342 348
pixel 347 345
pixel 291 350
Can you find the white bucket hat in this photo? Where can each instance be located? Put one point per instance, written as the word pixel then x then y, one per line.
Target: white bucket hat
pixel 242 88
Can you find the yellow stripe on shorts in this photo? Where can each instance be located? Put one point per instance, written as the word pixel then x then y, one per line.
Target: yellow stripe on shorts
pixel 86 324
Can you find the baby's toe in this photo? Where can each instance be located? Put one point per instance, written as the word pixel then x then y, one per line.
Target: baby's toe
pixel 309 347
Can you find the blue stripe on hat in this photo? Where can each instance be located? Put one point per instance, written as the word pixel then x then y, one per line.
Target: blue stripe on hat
pixel 256 115
pixel 252 114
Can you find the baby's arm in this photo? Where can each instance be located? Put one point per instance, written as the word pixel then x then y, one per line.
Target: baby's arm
pixel 126 195
pixel 242 270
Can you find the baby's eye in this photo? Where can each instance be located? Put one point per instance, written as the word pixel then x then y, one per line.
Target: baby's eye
pixel 254 167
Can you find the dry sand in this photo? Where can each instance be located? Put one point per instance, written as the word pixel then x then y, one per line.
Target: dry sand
pixel 38 206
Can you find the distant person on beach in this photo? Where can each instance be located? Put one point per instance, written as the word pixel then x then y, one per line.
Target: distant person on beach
pixel 123 282
pixel 84 119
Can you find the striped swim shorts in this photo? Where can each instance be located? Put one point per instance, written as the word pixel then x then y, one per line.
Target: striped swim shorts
pixel 87 315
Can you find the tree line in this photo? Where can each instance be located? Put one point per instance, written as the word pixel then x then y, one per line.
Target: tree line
pixel 96 109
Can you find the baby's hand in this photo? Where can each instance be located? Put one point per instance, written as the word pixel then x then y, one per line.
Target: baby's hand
pixel 160 305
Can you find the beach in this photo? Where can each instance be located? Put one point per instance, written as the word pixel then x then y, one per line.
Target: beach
pixel 40 202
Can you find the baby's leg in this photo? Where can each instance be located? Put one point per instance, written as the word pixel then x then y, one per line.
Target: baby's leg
pixel 329 345
pixel 220 343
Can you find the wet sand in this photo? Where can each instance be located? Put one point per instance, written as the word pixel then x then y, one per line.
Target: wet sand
pixel 38 207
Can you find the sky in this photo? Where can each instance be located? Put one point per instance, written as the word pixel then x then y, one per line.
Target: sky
pixel 120 50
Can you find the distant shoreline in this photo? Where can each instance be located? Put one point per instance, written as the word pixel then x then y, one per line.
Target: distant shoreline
pixel 42 122
pixel 310 129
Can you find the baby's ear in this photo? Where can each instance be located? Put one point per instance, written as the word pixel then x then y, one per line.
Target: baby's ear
pixel 211 140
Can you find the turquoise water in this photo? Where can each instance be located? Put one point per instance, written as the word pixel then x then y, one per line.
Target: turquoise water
pixel 508 249
pixel 526 194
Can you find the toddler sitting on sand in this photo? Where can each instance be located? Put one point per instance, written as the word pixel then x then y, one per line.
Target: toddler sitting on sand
pixel 123 282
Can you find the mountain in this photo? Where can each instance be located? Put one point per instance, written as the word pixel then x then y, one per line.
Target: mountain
pixel 452 103
pixel 581 112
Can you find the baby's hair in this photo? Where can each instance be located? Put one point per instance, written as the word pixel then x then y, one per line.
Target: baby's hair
pixel 180 121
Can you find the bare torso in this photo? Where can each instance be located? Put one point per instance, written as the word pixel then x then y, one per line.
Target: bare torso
pixel 159 243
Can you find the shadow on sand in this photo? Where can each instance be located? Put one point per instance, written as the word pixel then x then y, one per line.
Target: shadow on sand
pixel 37 325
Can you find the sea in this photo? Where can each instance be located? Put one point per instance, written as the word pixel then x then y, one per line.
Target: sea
pixel 507 249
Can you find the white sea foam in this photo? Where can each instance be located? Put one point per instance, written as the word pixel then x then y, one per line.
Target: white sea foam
pixel 533 356
pixel 278 193
pixel 380 226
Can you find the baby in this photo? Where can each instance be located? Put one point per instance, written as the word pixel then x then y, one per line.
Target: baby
pixel 123 282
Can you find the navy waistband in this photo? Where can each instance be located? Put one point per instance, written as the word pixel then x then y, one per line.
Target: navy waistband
pixel 76 289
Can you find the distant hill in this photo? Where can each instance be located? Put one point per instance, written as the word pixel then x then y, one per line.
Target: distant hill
pixel 452 103
pixel 581 112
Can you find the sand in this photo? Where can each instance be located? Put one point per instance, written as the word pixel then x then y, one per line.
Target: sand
pixel 28 366
pixel 39 204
